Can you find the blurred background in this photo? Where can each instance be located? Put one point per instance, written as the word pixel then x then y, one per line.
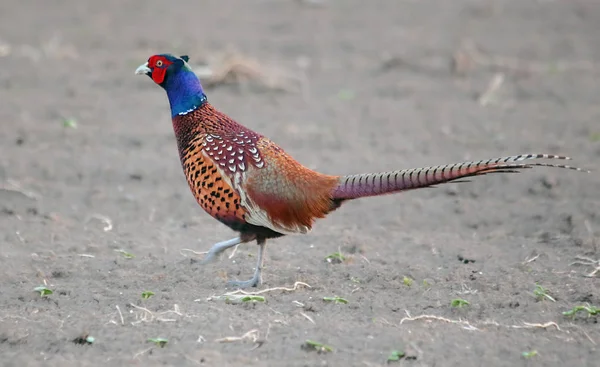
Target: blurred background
pixel 88 161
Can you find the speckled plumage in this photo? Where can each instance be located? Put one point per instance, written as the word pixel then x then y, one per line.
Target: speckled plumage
pixel 244 180
pixel 247 182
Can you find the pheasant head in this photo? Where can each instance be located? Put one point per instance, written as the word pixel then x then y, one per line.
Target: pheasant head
pixel 176 77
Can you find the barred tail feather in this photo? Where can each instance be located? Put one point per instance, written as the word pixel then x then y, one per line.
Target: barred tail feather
pixel 373 184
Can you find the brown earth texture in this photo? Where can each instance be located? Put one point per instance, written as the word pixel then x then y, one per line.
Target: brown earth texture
pixel 94 205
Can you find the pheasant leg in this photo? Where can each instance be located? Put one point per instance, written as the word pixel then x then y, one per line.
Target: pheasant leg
pixel 256 279
pixel 220 247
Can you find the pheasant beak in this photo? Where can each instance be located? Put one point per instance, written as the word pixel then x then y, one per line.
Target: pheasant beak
pixel 143 69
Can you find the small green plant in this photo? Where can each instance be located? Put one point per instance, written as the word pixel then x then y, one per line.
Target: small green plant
pixel 459 302
pixel 396 355
pixel 161 342
pixel 319 347
pixel 335 258
pixel 147 294
pixel 355 280
pixel 335 299
pixel 253 299
pixel 126 254
pixel 407 281
pixel 43 290
pixel 594 137
pixel 591 310
pixel 238 298
pixel 529 354
pixel 541 293
pixel 70 123
pixel 84 339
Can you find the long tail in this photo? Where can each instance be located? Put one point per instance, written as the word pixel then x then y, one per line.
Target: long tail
pixel 373 184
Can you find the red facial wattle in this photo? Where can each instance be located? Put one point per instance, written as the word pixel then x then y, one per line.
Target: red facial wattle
pixel 159 66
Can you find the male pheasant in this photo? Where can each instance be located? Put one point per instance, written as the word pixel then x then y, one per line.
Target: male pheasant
pixel 250 184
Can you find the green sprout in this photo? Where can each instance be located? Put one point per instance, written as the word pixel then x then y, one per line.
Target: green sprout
pixel 147 294
pixel 541 293
pixel 458 302
pixel 407 281
pixel 43 290
pixel 335 258
pixel 529 354
pixel 70 123
pixel 396 355
pixel 84 339
pixel 591 310
pixel 238 298
pixel 161 342
pixel 335 299
pixel 126 254
pixel 319 347
pixel 253 299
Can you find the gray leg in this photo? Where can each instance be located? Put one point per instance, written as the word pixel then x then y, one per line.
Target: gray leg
pixel 220 247
pixel 256 279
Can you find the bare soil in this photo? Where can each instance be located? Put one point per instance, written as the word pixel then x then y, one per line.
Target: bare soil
pixel 380 91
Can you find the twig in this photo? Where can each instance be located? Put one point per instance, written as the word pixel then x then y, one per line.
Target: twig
pixel 192 251
pixel 234 251
pixel 308 317
pixel 532 259
pixel 120 315
pixel 148 316
pixel 240 291
pixel 251 335
pixel 584 260
pixel 15 187
pixel 495 84
pixel 469 326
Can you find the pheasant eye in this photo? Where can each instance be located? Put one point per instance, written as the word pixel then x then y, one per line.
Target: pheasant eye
pixel 159 63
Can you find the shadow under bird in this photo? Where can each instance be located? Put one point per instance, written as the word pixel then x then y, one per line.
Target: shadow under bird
pixel 250 184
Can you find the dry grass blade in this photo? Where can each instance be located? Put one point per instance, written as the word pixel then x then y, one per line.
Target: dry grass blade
pixel 586 261
pixel 148 316
pixel 285 289
pixel 495 84
pixel 245 293
pixel 468 326
pixel 192 251
pixel 251 335
pixel 13 186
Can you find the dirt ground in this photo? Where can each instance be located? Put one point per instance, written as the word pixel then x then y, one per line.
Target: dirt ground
pixel 89 167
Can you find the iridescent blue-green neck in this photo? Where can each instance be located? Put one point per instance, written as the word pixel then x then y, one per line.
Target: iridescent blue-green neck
pixel 184 91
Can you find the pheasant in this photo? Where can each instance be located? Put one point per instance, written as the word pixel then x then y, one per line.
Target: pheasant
pixel 250 184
